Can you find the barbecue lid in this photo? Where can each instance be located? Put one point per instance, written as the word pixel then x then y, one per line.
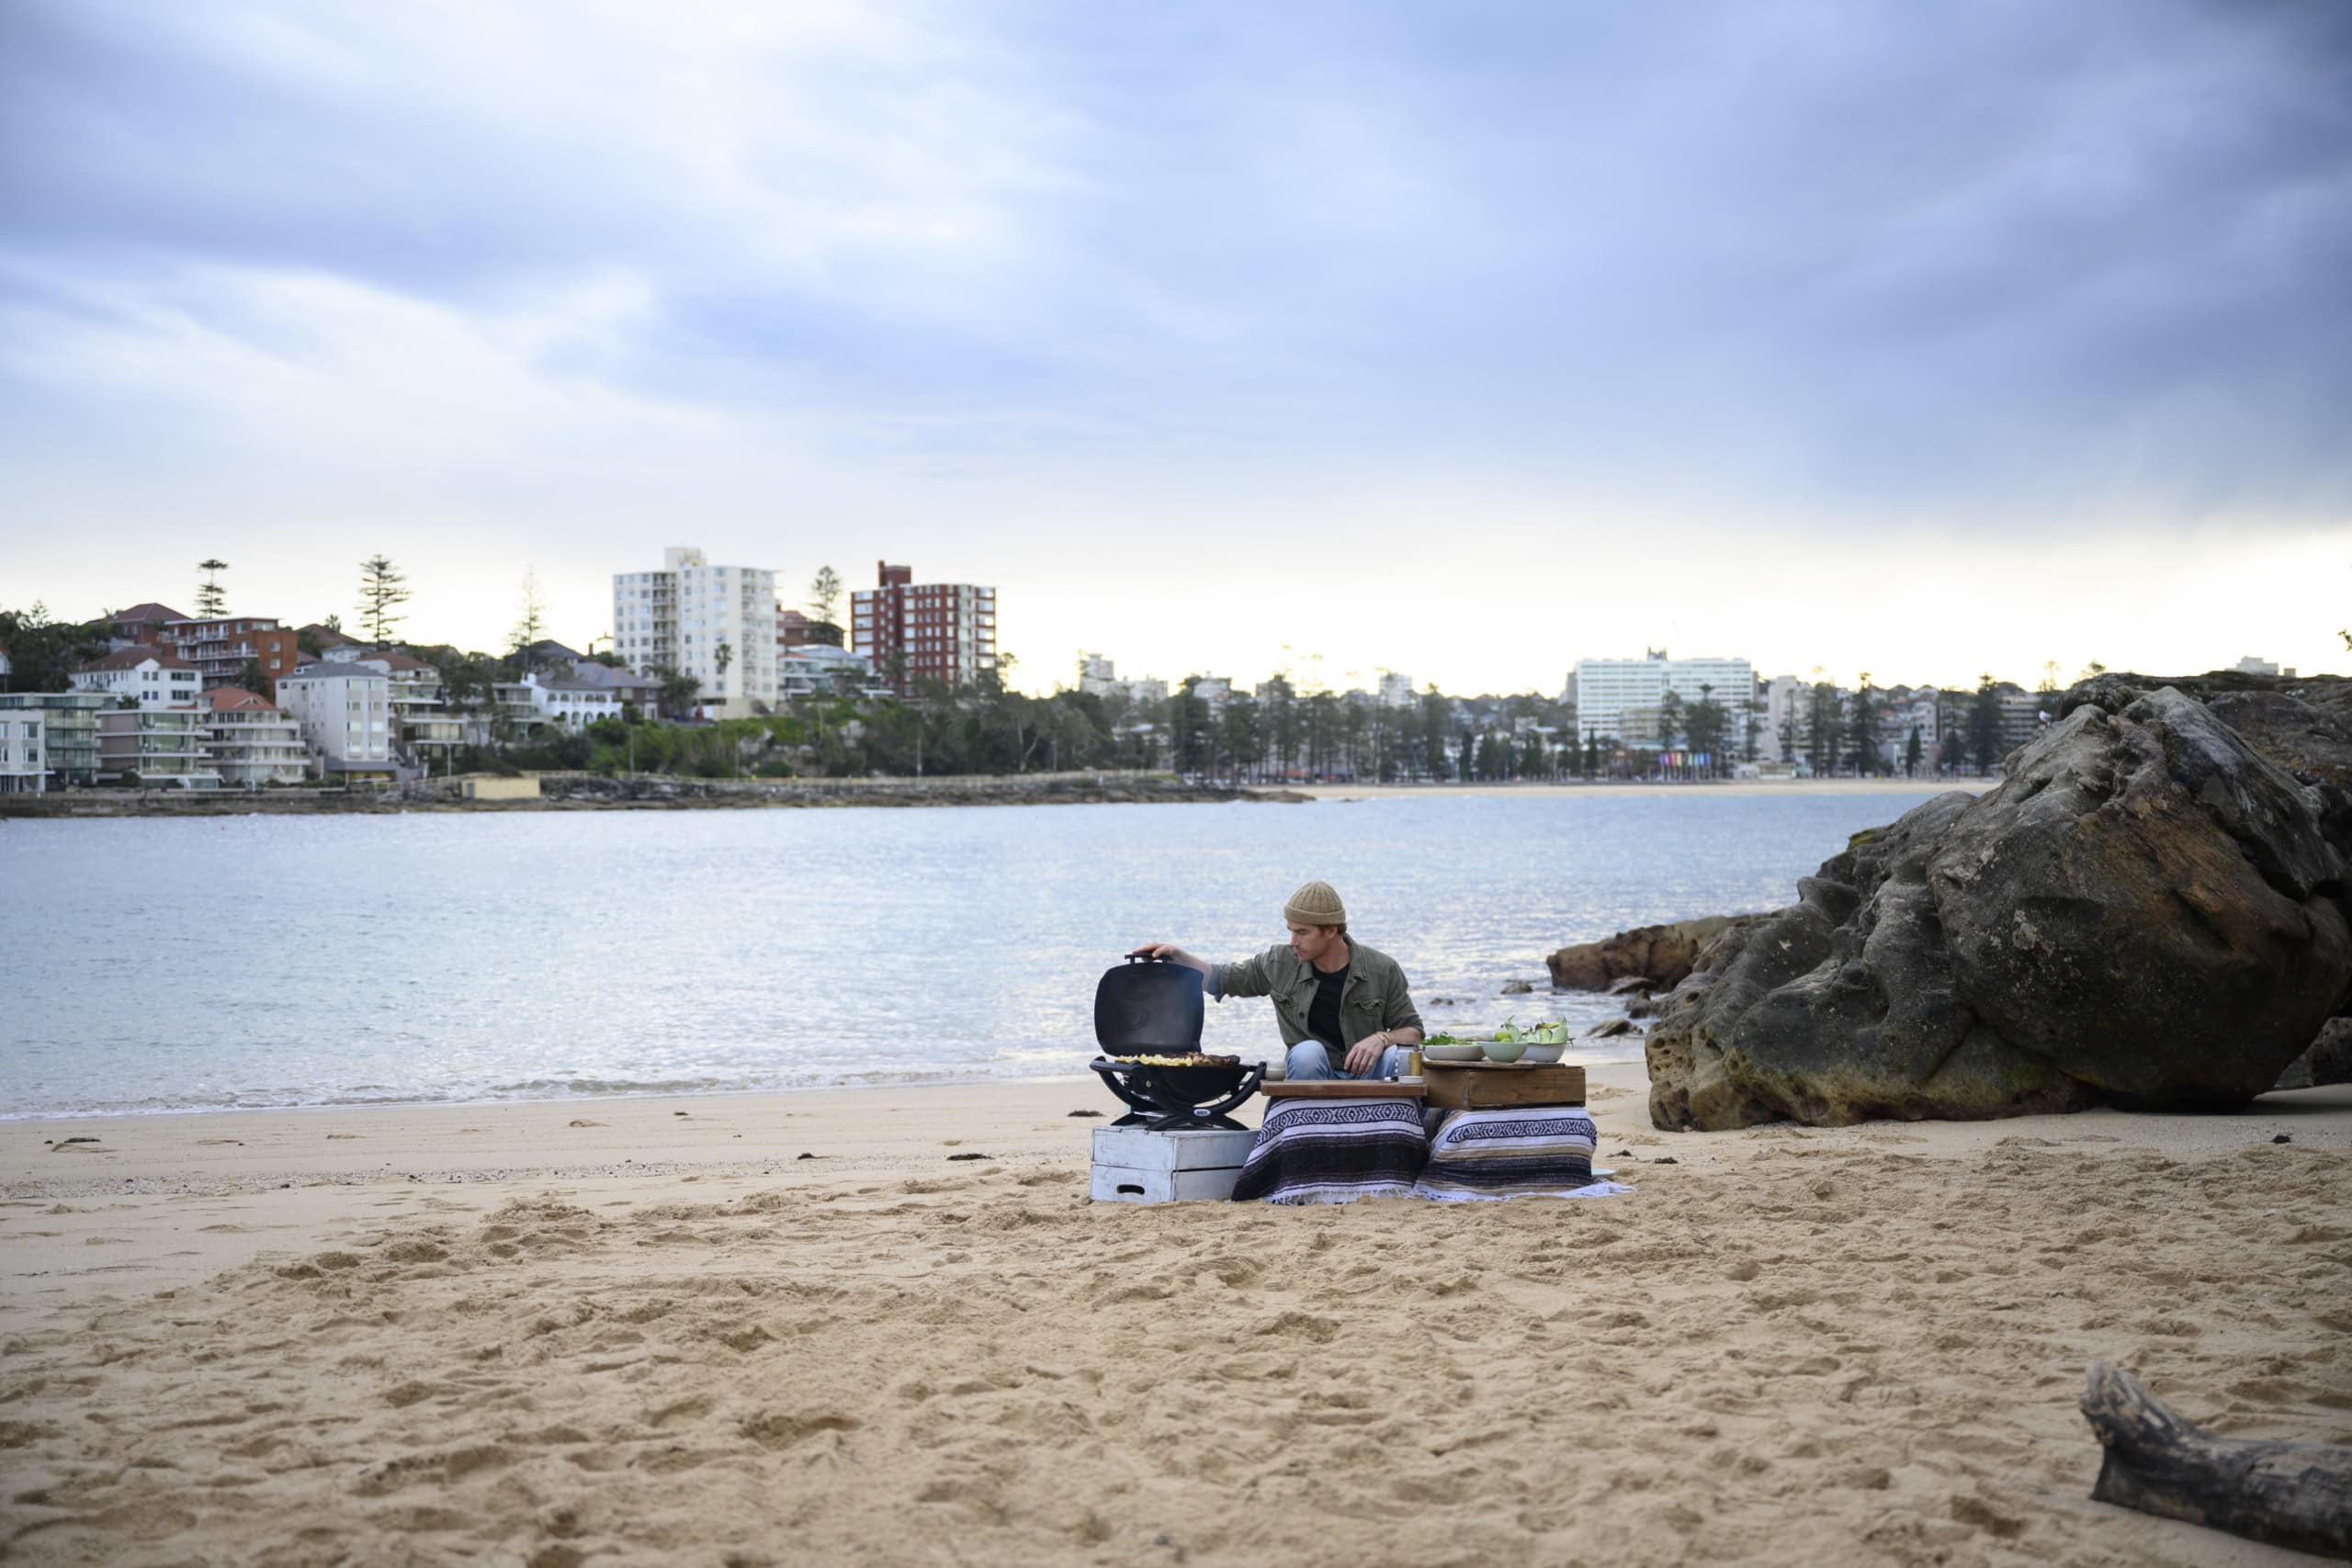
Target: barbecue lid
pixel 1149 1004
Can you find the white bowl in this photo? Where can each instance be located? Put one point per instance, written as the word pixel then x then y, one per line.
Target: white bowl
pixel 1545 1055
pixel 1452 1053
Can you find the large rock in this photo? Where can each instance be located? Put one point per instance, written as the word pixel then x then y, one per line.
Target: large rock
pixel 1661 955
pixel 2329 1060
pixel 2145 912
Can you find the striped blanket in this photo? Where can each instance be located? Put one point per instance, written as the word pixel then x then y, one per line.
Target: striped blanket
pixel 1335 1151
pixel 1516 1152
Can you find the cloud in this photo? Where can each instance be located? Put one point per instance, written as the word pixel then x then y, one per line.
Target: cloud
pixel 1943 273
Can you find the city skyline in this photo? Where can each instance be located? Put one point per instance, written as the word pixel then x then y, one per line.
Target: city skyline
pixel 1466 343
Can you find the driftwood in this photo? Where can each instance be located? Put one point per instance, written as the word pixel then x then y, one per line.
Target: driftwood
pixel 2297 1495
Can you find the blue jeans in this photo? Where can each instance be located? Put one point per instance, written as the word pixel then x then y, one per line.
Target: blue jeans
pixel 1312 1059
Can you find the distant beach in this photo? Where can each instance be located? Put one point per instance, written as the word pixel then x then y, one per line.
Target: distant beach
pixel 1629 788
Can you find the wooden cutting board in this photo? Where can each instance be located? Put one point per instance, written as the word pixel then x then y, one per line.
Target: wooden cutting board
pixel 1342 1088
pixel 1473 1086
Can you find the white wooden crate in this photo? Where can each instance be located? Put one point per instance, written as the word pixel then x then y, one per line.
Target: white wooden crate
pixel 1133 1164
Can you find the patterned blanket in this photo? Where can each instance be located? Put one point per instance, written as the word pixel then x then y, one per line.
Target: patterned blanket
pixel 1335 1151
pixel 1516 1152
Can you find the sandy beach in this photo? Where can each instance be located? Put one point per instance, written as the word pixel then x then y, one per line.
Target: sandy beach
pixel 1920 787
pixel 648 1331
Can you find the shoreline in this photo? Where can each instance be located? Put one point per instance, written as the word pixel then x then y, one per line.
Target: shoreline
pixel 698 795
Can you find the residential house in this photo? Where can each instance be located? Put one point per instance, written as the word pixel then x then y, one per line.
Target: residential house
pixel 794 629
pixel 141 625
pixel 151 677
pixel 626 685
pixel 156 746
pixel 251 743
pixel 570 702
pixel 23 757
pixel 344 710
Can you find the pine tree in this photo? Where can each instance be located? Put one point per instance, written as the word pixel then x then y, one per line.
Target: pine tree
pixel 211 599
pixel 1862 728
pixel 531 624
pixel 381 586
pixel 1985 724
pixel 824 592
pixel 1911 752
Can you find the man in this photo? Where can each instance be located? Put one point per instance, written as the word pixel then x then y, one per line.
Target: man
pixel 1342 1008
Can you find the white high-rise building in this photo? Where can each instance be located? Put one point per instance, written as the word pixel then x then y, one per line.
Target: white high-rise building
pixel 1618 698
pixel 716 623
pixel 1395 689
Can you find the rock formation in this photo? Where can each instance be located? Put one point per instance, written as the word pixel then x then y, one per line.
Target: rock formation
pixel 2147 912
pixel 1659 955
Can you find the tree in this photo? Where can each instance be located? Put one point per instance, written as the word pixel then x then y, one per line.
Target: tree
pixel 1534 761
pixel 1188 721
pixel 42 653
pixel 211 599
pixel 679 691
pixel 381 586
pixel 1669 720
pixel 1707 724
pixel 1436 717
pixel 2049 682
pixel 1984 723
pixel 824 592
pixel 531 623
pixel 1821 723
pixel 1493 757
pixel 1862 730
pixel 722 655
pixel 1244 737
pixel 1911 752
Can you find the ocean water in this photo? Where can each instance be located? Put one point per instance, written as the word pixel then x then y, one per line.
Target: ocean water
pixel 160 964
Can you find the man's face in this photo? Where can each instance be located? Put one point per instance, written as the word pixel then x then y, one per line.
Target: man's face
pixel 1312 943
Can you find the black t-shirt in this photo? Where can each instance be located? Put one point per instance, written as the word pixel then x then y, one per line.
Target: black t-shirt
pixel 1323 1012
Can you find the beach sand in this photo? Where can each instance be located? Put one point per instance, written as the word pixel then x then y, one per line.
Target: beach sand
pixel 1924 788
pixel 646 1331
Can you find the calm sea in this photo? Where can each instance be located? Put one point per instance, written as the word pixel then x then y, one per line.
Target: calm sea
pixel 157 964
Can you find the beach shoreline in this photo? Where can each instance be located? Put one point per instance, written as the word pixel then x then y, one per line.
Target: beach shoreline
pixel 564 1332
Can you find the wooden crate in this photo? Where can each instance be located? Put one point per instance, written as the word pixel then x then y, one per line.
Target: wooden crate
pixel 1476 1086
pixel 1136 1166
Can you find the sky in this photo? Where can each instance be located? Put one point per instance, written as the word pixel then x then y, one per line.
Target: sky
pixel 1459 338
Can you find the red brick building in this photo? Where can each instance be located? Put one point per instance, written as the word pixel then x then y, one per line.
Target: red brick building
pixel 221 648
pixel 910 631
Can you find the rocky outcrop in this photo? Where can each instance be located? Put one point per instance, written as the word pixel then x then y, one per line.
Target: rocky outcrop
pixel 2329 1060
pixel 2145 912
pixel 1661 955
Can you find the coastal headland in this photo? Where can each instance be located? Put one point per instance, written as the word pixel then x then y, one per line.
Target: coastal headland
pixel 564 1332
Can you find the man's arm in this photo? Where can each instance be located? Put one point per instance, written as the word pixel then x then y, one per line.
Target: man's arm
pixel 1366 1051
pixel 1246 979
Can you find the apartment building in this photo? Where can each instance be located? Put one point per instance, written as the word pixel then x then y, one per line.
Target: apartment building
pixel 161 748
pixel 1620 698
pixel 910 631
pixel 151 677
pixel 794 629
pixel 69 731
pixel 251 743
pixel 24 756
pixel 220 648
pixel 816 669
pixel 1396 690
pixel 716 623
pixel 346 714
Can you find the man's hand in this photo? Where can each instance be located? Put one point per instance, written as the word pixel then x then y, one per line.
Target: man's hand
pixel 1365 1054
pixel 1173 954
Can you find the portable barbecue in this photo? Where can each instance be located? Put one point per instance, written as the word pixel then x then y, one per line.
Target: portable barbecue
pixel 1152 1008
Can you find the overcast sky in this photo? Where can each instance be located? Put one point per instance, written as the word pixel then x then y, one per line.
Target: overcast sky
pixel 1463 339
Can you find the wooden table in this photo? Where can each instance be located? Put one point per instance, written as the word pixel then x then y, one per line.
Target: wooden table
pixel 1476 1086
pixel 1343 1088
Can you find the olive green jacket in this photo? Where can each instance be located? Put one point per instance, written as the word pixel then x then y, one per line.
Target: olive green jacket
pixel 1373 998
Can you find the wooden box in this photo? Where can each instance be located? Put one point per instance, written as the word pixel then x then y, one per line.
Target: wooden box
pixel 1136 1166
pixel 1476 1086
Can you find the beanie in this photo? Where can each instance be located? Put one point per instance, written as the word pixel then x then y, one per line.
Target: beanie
pixel 1315 904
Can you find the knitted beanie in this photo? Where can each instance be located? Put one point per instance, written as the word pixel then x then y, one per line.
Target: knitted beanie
pixel 1315 904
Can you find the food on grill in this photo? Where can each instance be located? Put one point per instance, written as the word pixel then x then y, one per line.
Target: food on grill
pixel 1193 1059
